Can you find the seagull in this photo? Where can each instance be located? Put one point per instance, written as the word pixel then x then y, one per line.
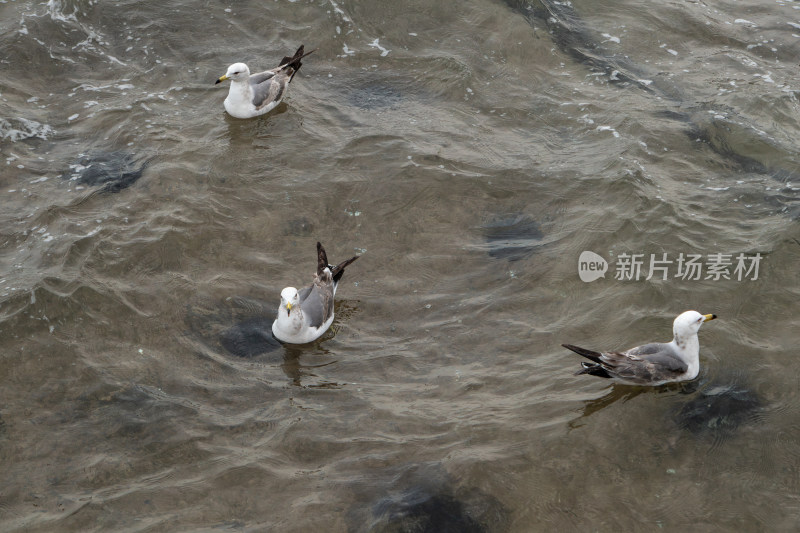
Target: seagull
pixel 655 363
pixel 254 95
pixel 306 314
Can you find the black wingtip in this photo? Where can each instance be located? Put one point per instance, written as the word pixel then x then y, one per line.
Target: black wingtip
pixel 588 354
pixel 289 59
pixel 338 270
pixel 322 259
pixel 294 61
pixel 593 369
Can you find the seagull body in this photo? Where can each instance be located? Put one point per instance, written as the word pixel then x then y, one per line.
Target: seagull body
pixel 655 363
pixel 256 94
pixel 305 315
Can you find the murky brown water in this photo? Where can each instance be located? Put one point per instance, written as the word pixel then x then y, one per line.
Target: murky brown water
pixel 469 153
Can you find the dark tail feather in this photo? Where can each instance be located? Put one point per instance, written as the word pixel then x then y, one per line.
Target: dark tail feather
pixel 294 61
pixel 588 354
pixel 593 370
pixel 322 259
pixel 338 270
pixel 290 59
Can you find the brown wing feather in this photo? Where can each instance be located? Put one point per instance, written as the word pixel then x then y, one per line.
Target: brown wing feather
pixel 322 259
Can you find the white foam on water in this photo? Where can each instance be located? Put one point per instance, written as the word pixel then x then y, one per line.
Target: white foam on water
pixel 376 44
pixel 23 128
pixel 612 38
pixel 614 132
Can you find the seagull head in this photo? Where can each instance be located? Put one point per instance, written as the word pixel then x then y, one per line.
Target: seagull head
pixel 688 323
pixel 290 299
pixel 236 72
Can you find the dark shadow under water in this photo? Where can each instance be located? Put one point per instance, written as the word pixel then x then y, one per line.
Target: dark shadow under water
pixel 250 337
pixel 512 236
pixel 718 408
pixel 241 327
pixel 714 409
pixel 113 171
pixel 424 498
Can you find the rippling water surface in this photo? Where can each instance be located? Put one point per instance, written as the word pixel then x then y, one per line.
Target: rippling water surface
pixel 469 153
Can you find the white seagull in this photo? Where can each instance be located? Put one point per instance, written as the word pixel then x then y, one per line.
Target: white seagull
pixel 306 314
pixel 254 95
pixel 655 363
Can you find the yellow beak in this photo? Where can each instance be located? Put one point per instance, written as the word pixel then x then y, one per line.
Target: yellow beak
pixel 288 306
pixel 222 78
pixel 709 317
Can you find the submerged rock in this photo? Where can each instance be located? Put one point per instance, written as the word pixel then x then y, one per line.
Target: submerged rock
pixel 375 96
pixel 718 409
pixel 713 409
pixel 249 338
pixel 424 498
pixel 298 227
pixel 419 510
pixel 113 170
pixel 242 327
pixel 512 237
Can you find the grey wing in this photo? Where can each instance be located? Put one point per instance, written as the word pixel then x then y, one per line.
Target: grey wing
pixel 261 77
pixel 268 91
pixel 316 301
pixel 661 355
pixel 303 293
pixel 646 364
pixel 647 349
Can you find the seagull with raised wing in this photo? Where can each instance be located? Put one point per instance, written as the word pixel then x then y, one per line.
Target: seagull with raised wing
pixel 253 95
pixel 305 315
pixel 655 363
